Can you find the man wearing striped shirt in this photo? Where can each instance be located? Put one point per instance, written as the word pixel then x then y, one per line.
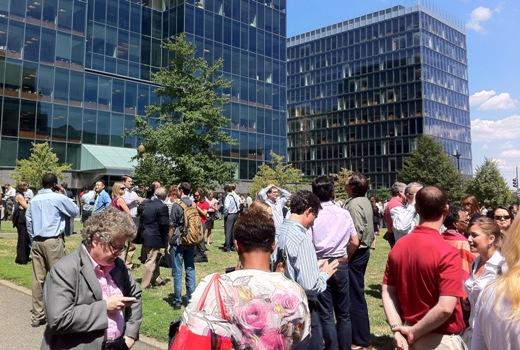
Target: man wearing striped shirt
pixel 301 264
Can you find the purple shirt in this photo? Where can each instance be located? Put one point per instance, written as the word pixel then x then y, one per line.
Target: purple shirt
pixel 332 231
pixel 116 319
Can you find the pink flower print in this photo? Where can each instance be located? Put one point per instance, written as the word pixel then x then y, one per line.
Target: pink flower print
pixel 271 340
pixel 253 315
pixel 289 302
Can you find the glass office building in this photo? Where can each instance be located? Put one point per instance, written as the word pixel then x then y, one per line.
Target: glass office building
pixel 360 92
pixel 77 72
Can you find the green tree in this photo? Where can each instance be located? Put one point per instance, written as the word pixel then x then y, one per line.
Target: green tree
pixel 277 173
pixel 430 165
pixel 382 194
pixel 489 186
pixel 41 161
pixel 340 183
pixel 181 146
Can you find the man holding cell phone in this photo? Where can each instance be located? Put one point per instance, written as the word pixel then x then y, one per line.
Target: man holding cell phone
pixel 91 300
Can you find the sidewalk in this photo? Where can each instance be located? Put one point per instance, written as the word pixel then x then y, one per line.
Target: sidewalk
pixel 15 329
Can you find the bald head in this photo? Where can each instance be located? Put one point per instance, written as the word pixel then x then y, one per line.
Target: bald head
pixel 430 203
pixel 160 193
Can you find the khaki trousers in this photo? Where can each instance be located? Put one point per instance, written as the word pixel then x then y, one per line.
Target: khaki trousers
pixel 151 268
pixel 127 256
pixel 45 253
pixel 436 341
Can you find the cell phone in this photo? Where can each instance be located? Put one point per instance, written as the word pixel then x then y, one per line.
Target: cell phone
pixel 129 300
pixel 229 269
pixel 331 260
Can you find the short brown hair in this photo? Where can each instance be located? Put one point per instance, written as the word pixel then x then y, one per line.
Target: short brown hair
pixel 489 227
pixel 430 203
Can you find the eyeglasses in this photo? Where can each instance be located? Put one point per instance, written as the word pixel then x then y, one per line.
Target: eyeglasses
pixel 502 217
pixel 116 250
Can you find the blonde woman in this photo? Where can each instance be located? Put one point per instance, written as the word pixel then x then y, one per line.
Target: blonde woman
pixel 118 202
pixel 497 312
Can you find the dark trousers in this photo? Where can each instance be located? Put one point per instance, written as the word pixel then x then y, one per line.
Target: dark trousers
pixel 334 311
pixel 22 245
pixel 358 305
pixel 315 340
pixel 229 223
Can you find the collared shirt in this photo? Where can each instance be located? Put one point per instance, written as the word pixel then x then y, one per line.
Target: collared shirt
pixel 47 213
pixel 88 200
pixel 404 219
pixel 116 319
pixel 474 285
pixel 363 216
pixel 301 264
pixel 11 192
pixel 102 201
pixel 394 202
pixel 276 207
pixel 29 194
pixel 132 201
pixel 332 231
pixel 231 203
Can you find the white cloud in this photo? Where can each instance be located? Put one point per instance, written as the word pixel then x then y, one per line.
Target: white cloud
pixel 483 130
pixel 510 153
pixel 487 100
pixel 479 15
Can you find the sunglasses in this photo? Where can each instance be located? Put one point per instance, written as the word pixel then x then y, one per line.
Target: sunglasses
pixel 502 217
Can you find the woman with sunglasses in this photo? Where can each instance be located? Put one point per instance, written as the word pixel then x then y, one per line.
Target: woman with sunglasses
pixel 503 217
pixel 118 202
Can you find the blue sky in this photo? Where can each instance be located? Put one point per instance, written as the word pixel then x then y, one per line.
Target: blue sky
pixel 493 37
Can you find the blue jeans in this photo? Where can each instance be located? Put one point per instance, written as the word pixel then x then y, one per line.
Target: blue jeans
pixel 358 305
pixel 335 301
pixel 183 255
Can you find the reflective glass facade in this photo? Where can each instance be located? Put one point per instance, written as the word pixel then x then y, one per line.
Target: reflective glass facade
pixel 78 71
pixel 361 91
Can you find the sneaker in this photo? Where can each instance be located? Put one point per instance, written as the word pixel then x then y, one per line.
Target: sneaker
pixel 177 306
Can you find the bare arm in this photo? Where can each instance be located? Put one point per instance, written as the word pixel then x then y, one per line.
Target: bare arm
pixel 121 202
pixel 352 246
pixel 431 321
pixel 21 201
pixel 391 306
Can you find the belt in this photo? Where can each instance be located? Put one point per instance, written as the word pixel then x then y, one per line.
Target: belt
pixel 343 260
pixel 41 239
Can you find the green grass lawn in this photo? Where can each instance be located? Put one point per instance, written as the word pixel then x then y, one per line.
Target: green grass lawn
pixel 157 302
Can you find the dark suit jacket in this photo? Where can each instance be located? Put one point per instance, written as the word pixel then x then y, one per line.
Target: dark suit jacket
pixel 155 223
pixel 74 306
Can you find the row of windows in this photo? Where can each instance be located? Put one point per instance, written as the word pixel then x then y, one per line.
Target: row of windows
pixel 448 81
pixel 443 63
pixel 356 36
pixel 391 80
pixel 445 96
pixel 442 30
pixel 127 16
pixel 258 120
pixel 446 113
pixel 353 133
pixel 64 15
pixel 359 52
pixel 46 83
pixel 45 121
pixel 446 130
pixel 235 34
pixel 444 47
pixel 451 146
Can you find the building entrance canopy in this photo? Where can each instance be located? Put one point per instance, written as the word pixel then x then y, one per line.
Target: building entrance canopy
pixel 105 160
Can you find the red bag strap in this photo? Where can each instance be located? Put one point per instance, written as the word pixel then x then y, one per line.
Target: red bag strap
pixel 215 282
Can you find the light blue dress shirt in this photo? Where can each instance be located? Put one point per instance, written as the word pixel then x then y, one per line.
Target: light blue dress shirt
pixel 276 207
pixel 47 213
pixel 102 202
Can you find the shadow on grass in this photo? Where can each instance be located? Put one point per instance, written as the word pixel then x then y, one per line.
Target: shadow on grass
pixel 374 290
pixel 382 342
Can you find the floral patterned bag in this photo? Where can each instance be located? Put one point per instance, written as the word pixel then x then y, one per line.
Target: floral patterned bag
pixel 187 339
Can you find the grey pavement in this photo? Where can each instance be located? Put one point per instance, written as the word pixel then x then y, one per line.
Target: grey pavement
pixel 15 329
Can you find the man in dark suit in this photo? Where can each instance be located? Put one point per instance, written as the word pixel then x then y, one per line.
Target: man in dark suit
pixel 91 301
pixel 156 223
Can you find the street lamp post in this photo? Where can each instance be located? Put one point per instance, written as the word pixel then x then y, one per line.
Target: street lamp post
pixel 457 155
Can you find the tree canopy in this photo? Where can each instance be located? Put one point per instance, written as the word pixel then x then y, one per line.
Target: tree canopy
pixel 489 186
pixel 41 161
pixel 430 165
pixel 180 136
pixel 340 183
pixel 277 173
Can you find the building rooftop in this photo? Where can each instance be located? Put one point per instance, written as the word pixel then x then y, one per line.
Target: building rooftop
pixel 371 18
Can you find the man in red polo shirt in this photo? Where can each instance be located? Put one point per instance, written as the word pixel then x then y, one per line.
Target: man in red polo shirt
pixel 422 285
pixel 397 200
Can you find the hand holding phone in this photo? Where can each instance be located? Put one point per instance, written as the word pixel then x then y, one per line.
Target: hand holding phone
pixel 128 300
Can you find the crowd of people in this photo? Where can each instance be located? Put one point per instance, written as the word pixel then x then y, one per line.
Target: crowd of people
pixel 451 279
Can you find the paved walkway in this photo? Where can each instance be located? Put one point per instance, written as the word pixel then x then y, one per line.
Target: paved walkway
pixel 15 329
